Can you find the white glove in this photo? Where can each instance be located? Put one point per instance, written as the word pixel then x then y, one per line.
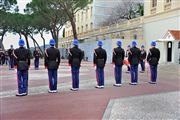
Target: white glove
pixel 95 67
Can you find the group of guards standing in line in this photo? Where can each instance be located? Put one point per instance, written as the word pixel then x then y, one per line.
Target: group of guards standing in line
pixel 52 62
pixel 7 57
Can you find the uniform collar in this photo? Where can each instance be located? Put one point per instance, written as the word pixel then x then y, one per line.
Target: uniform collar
pixel 75 46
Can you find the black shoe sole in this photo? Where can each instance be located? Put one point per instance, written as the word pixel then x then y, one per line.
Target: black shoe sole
pixel 152 83
pixel 132 84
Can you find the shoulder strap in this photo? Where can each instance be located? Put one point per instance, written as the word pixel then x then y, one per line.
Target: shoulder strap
pixel 114 52
pixel 150 52
pixel 130 51
pixel 14 55
pixel 69 52
pixel 95 52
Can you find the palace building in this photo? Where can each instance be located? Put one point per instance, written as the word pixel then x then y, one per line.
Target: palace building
pixel 160 16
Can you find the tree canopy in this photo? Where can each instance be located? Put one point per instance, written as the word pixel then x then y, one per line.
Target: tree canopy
pixel 40 16
pixel 53 16
pixel 7 4
pixel 125 10
pixel 71 7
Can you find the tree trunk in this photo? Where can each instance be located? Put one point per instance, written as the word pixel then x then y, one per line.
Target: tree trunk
pixel 37 44
pixel 52 34
pixel 20 35
pixel 57 38
pixel 55 35
pixel 1 44
pixel 34 45
pixel 44 43
pixel 74 28
pixel 1 41
pixel 27 42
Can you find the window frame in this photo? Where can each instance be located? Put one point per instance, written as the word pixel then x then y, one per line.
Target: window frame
pixel 135 36
pixel 153 3
pixel 168 1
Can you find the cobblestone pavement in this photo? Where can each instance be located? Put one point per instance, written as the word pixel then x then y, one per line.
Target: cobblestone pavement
pixel 146 107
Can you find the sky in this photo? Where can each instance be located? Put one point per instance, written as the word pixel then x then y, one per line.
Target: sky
pixel 12 39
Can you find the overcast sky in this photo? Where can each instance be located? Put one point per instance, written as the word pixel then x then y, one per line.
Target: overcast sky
pixel 11 39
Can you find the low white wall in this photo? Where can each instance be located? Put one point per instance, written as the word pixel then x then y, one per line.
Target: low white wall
pixel 176 52
pixel 162 46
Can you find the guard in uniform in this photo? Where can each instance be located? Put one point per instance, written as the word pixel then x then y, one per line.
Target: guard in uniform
pixel 142 58
pixel 100 57
pixel 75 58
pixel 6 57
pixel 2 57
pixel 52 62
pixel 126 60
pixel 22 63
pixel 118 58
pixel 153 59
pixel 11 58
pixel 134 58
pixel 36 55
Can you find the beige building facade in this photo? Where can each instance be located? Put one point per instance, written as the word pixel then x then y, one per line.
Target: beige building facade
pixel 92 16
pixel 159 17
pixel 84 21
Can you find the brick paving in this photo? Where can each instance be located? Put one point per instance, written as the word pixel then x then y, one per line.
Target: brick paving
pixel 87 103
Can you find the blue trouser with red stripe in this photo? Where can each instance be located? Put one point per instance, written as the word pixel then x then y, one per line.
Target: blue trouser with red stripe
pixel 100 76
pixel 75 77
pixel 22 76
pixel 134 73
pixel 52 79
pixel 118 73
pixel 153 70
pixel 36 63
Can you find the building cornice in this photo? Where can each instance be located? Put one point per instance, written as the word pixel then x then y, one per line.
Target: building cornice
pixel 161 13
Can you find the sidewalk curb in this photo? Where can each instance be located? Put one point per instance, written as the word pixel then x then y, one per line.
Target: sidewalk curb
pixel 108 110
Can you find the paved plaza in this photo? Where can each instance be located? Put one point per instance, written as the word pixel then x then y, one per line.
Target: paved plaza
pixel 144 101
